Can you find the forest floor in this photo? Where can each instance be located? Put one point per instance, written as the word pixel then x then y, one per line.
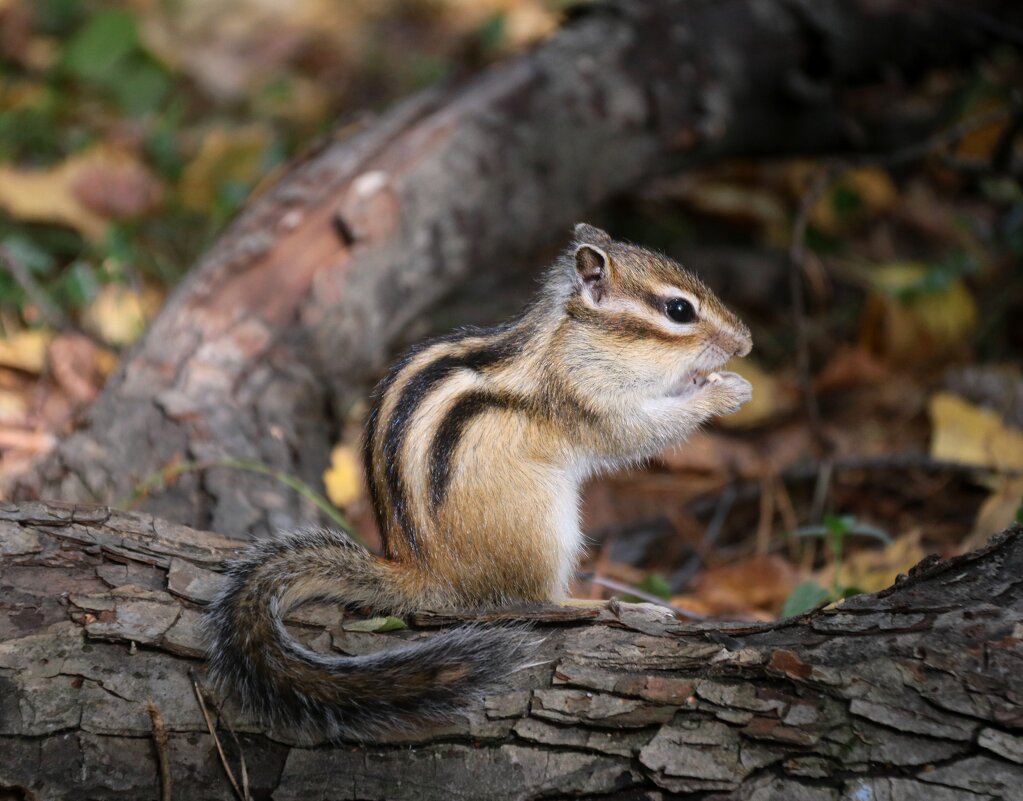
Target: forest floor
pixel 887 420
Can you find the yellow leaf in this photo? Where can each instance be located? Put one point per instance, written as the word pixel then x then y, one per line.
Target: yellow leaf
pixel 227 155
pixel 46 196
pixel 307 102
pixel 343 480
pixel 769 399
pixel 737 201
pixel 119 313
pixel 929 322
pixel 26 350
pixel 997 512
pixel 874 570
pixel 966 433
pixel 874 190
pixel 84 192
pixel 13 406
pixel 980 143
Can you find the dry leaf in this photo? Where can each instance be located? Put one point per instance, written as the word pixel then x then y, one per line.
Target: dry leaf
pixel 875 193
pixel 26 350
pixel 980 143
pixel 79 366
pixel 115 185
pixel 227 155
pixel 758 584
pixel 307 102
pixel 13 407
pixel 737 202
pixel 84 192
pixel 872 570
pixel 376 625
pixel 992 385
pixel 997 511
pixel 969 434
pixel 926 323
pixel 119 313
pixel 226 46
pixel 343 480
pixel 850 367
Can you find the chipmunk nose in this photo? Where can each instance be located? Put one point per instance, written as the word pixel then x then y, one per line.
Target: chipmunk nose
pixel 737 343
pixel 743 345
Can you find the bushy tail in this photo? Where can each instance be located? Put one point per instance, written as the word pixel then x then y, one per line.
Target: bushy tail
pixel 249 649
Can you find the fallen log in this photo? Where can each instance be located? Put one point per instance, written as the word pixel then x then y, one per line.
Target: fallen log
pixel 285 319
pixel 914 692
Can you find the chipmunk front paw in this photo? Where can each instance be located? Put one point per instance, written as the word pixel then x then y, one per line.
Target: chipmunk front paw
pixel 729 391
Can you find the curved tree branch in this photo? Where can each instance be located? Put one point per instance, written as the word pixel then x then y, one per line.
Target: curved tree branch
pixel 914 692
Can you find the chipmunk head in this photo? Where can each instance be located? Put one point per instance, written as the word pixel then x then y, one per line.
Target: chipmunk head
pixel 661 328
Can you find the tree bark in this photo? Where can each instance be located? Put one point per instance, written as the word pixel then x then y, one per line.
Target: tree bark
pixel 914 692
pixel 285 319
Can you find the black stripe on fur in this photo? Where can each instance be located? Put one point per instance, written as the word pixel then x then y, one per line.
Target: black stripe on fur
pixel 413 394
pixel 449 433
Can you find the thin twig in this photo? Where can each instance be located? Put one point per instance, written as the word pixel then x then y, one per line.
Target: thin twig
pixel 797 258
pixel 48 310
pixel 765 514
pixel 681 577
pixel 242 766
pixel 821 489
pixel 619 586
pixel 160 739
pixel 937 141
pixel 810 471
pixel 171 472
pixel 242 794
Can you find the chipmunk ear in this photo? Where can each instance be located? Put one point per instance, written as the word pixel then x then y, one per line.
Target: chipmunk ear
pixel 592 268
pixel 588 234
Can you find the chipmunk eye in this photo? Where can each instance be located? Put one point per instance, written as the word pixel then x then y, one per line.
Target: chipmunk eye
pixel 680 310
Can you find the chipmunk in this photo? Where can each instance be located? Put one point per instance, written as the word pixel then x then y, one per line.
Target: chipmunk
pixel 475 449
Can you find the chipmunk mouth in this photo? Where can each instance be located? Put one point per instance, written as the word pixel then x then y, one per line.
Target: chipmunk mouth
pixel 693 382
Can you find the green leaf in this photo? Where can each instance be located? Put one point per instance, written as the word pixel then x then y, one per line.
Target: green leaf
pixel 34 258
pixel 30 132
pixel 376 625
pixel 654 584
pixel 839 526
pixel 806 596
pixel 57 17
pixel 861 529
pixel 846 201
pixel 77 285
pixel 97 49
pixel 143 89
pixel 492 33
pixel 1019 512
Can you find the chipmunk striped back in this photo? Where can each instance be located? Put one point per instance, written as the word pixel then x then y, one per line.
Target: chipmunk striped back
pixel 461 432
pixel 475 449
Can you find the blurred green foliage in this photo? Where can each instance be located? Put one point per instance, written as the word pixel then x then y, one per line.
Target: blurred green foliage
pixel 78 75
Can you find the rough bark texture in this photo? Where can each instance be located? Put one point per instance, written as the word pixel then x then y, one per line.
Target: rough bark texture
pixel 282 322
pixel 915 692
